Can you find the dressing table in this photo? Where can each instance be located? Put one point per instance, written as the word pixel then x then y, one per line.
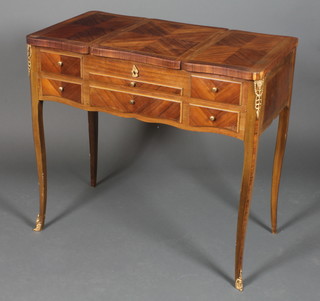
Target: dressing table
pixel 192 77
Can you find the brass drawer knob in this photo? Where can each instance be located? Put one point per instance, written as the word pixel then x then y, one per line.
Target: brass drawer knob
pixel 132 101
pixel 212 118
pixel 214 89
pixel 60 63
pixel 61 89
pixel 133 84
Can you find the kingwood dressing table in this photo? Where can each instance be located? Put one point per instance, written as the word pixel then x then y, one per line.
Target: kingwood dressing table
pixel 192 77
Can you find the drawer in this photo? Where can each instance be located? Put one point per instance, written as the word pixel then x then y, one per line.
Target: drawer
pixel 130 103
pixel 61 89
pixel 216 90
pixel 60 64
pixel 210 117
pixel 135 84
pixel 138 72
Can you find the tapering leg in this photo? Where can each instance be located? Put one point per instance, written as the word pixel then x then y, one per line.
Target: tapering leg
pixel 39 142
pixel 277 164
pixel 93 140
pixel 249 167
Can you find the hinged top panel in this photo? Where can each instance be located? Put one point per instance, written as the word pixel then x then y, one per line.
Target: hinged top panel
pixel 195 48
pixel 78 33
pixel 241 54
pixel 156 42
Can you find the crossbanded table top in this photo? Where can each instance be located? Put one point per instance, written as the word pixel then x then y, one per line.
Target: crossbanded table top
pixel 195 48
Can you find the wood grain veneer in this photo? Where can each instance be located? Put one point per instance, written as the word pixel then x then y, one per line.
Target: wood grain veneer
pixel 61 89
pixel 200 117
pixel 60 64
pixel 173 45
pixel 216 90
pixel 130 103
pixel 135 84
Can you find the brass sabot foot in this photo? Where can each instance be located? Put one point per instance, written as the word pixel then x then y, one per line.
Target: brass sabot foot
pixel 39 225
pixel 239 283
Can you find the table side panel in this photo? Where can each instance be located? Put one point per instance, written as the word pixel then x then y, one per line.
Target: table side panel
pixel 278 89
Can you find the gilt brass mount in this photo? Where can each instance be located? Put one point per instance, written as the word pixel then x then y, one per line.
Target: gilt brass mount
pixel 239 283
pixel 38 224
pixel 258 90
pixel 135 71
pixel 29 54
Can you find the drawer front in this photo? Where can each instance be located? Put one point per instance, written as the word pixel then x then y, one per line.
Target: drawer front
pixel 138 72
pixel 130 103
pixel 216 90
pixel 135 84
pixel 60 64
pixel 208 117
pixel 61 89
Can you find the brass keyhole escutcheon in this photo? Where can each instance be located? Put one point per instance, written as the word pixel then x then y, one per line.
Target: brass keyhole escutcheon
pixel 135 71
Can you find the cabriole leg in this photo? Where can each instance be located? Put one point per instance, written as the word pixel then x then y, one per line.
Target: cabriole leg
pixel 249 168
pixel 39 142
pixel 93 142
pixel 277 164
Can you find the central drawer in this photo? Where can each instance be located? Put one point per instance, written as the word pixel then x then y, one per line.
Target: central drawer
pixel 139 75
pixel 120 102
pixel 133 83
